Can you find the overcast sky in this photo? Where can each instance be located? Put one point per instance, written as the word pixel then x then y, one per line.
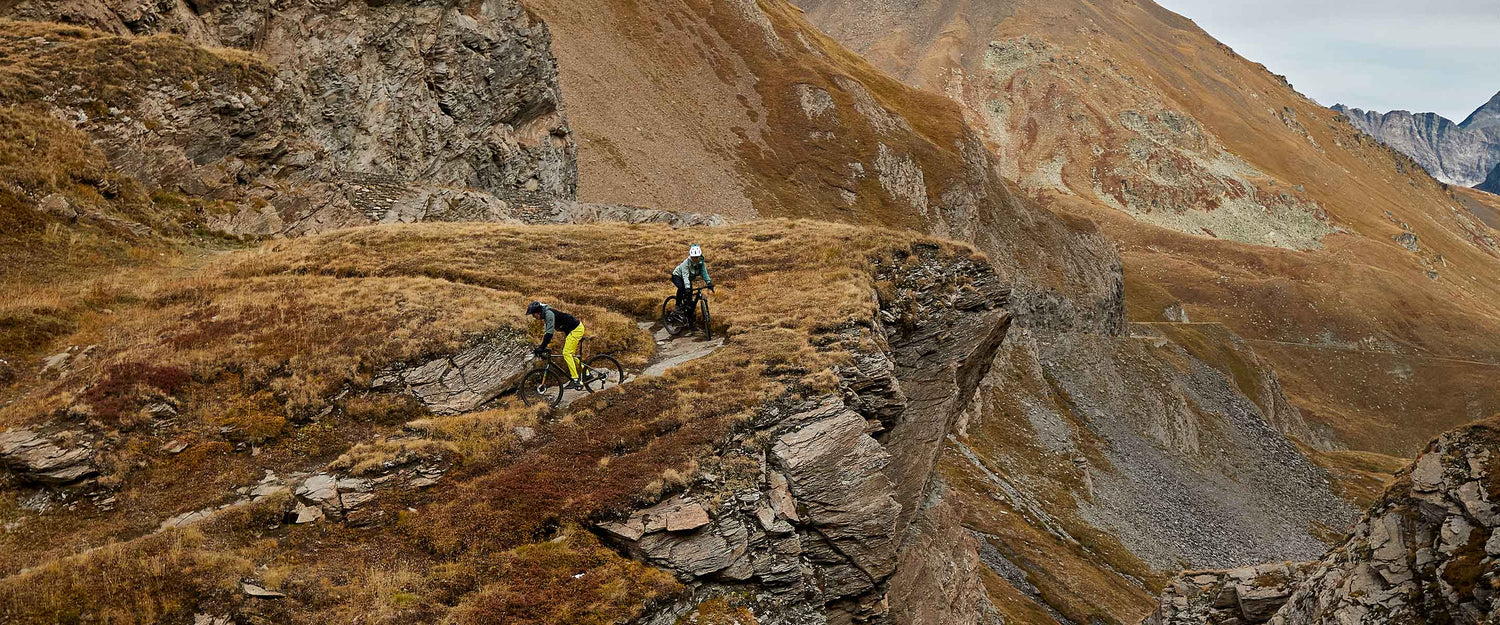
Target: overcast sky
pixel 1437 55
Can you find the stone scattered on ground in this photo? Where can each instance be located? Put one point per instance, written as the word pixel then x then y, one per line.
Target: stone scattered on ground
pixel 259 592
pixel 307 514
pixel 524 434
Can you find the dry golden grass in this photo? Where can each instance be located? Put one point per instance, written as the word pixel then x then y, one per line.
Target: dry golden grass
pixel 52 266
pixel 156 579
pixel 285 343
pixel 572 578
pixel 111 71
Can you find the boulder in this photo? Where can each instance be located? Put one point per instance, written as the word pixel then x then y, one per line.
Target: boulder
pixel 698 554
pixel 352 501
pixel 1258 604
pixel 1415 557
pixel 56 363
pixel 630 529
pixel 463 382
pixel 307 514
pixel 689 516
pixel 59 207
pixel 319 488
pixel 34 458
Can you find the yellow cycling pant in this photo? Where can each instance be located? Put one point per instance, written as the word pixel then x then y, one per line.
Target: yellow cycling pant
pixel 570 350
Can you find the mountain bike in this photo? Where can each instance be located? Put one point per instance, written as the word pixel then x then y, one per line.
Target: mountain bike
pixel 676 322
pixel 545 383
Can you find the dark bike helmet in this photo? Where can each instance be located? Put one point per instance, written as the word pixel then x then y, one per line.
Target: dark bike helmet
pixel 535 307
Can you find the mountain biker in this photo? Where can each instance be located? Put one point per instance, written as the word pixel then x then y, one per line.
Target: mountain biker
pixel 682 277
pixel 572 329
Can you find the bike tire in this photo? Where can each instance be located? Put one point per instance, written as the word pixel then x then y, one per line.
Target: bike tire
pixel 541 386
pixel 614 374
pixel 707 320
pixel 668 306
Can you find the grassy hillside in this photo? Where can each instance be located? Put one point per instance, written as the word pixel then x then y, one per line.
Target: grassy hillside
pixel 297 330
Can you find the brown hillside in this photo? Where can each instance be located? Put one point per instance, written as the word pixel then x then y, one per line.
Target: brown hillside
pixel 1229 194
pixel 742 108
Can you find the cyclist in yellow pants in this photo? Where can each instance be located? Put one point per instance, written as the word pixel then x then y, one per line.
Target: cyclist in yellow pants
pixel 559 321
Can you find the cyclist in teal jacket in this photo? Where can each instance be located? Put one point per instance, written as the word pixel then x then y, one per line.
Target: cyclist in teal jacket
pixel 682 277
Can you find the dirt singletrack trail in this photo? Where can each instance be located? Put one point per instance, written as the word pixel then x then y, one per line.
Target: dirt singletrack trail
pixel 670 352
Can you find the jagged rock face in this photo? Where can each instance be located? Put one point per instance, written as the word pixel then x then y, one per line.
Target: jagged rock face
pixel 1425 553
pixel 839 498
pixel 1461 154
pixel 372 113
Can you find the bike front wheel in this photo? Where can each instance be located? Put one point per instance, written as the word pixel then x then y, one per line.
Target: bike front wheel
pixel 605 372
pixel 705 320
pixel 542 386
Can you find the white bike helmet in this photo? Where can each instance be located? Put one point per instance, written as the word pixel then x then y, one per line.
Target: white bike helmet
pixel 695 252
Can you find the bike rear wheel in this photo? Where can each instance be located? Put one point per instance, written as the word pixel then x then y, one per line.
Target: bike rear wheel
pixel 542 386
pixel 604 372
pixel 705 320
pixel 670 318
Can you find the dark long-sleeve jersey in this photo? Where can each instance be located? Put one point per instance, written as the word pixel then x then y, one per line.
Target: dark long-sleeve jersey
pixel 556 321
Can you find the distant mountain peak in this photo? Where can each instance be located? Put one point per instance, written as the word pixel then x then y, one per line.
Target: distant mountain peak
pixel 1486 119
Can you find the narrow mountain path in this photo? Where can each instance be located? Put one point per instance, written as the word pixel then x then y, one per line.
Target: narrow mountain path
pixel 671 352
pixel 1356 350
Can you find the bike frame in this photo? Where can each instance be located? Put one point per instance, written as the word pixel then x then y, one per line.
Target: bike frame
pixel 697 294
pixel 555 362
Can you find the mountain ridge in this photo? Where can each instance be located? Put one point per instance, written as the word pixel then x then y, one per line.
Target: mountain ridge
pixel 1460 153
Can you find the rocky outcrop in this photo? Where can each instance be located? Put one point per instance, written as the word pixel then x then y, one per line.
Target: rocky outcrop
pixel 464 381
pixel 38 459
pixel 1249 595
pixel 1461 154
pixel 822 522
pixel 585 213
pixel 334 495
pixel 1426 552
pixel 364 113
